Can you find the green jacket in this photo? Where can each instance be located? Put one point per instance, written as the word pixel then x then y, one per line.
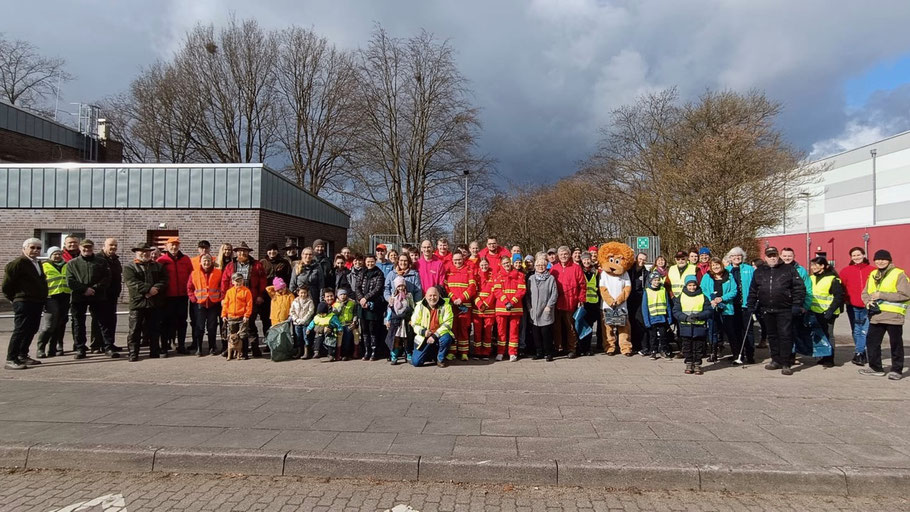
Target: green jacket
pixel 56 278
pixel 139 278
pixel 83 274
pixel 23 283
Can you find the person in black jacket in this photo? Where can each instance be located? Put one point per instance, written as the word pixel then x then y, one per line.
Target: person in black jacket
pixel 89 277
pixel 827 299
pixel 25 286
pixel 778 293
pixel 638 275
pixel 108 303
pixel 368 292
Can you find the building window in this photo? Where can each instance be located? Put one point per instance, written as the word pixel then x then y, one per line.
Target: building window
pixel 296 240
pixel 55 237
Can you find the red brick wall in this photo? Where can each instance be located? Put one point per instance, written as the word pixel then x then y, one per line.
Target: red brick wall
pixel 255 227
pixel 19 148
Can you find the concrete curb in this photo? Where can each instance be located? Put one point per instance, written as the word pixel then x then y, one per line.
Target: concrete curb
pixel 476 471
pixel 757 479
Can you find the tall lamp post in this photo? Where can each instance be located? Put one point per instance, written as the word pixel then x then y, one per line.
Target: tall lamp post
pixel 873 152
pixel 805 195
pixel 466 173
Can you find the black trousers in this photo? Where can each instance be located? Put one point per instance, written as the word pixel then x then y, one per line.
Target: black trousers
pixel 144 324
pixel 174 321
pixel 78 310
pixel 58 312
pixel 107 312
pixel 592 315
pixel 543 339
pixel 657 339
pixel 780 335
pixel 693 349
pixel 26 322
pixel 638 330
pixel 206 322
pixel 874 337
pixel 742 330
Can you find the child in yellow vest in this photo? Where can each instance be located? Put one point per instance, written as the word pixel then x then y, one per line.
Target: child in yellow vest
pixel 326 328
pixel 346 310
pixel 692 310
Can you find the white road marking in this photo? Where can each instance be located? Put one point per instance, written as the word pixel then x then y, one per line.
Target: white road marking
pixel 108 503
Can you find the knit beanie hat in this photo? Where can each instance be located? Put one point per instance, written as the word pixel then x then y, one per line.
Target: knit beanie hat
pixel 704 250
pixel 279 283
pixel 399 281
pixel 882 254
pixel 322 309
pixel 691 279
pixel 51 250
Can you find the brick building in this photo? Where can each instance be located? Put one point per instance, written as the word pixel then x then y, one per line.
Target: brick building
pixel 27 138
pixel 148 202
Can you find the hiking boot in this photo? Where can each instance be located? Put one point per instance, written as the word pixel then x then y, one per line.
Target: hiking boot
pixel 872 372
pixel 80 354
pixel 512 359
pixel 450 357
pixel 773 365
pixel 464 357
pixel 499 357
pixel 859 359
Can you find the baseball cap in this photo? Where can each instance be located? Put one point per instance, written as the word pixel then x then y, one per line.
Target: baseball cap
pixel 771 251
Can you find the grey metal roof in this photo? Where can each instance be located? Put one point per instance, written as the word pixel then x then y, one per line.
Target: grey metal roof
pixel 165 186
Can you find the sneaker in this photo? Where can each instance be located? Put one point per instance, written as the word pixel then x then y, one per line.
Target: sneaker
pixel 668 355
pixel 698 370
pixel 15 365
pixel 394 359
pixel 894 376
pixel 571 355
pixel 773 366
pixel 549 359
pixel 408 357
pixel 654 356
pixel 786 370
pixel 442 363
pixel 499 357
pixel 464 357
pixel 79 355
pixel 134 359
pixel 112 354
pixel 512 359
pixel 485 358
pixel 643 353
pixel 450 357
pixel 859 359
pixel 872 372
pixel 41 354
pixel 29 361
pixel 689 369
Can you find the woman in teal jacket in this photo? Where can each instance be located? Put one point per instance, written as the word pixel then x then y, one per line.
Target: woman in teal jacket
pixel 742 274
pixel 720 289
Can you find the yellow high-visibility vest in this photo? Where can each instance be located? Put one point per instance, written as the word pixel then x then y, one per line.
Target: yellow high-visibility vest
pixel 821 293
pixel 657 302
pixel 677 279
pixel 692 305
pixel 888 285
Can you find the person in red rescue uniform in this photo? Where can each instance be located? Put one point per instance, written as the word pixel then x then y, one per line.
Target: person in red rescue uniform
pixel 572 287
pixel 494 253
pixel 484 312
pixel 178 268
pixel 443 253
pixel 461 287
pixel 204 290
pixel 509 290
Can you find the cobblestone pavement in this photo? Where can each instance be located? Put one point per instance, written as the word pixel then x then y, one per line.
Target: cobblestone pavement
pixel 53 490
pixel 598 408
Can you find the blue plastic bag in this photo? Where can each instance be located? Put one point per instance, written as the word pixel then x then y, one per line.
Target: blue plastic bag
pixel 582 328
pixel 810 338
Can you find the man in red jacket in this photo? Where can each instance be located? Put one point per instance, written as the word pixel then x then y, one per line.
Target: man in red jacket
pixel 443 253
pixel 462 288
pixel 254 279
pixel 71 247
pixel 494 254
pixel 178 268
pixel 570 283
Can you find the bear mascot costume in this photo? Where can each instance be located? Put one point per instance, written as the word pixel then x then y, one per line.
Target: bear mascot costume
pixel 615 260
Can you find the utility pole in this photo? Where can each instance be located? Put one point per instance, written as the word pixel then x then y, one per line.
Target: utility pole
pixel 805 195
pixel 466 173
pixel 873 152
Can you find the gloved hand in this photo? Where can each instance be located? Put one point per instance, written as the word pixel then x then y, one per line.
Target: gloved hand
pixel 797 311
pixel 829 316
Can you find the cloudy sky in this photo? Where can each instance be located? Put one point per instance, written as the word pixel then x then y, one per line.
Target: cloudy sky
pixel 547 73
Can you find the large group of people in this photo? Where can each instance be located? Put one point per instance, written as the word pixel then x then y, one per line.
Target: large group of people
pixel 433 303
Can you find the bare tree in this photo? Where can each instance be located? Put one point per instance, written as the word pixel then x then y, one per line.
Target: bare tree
pixel 27 78
pixel 316 83
pixel 230 87
pixel 418 132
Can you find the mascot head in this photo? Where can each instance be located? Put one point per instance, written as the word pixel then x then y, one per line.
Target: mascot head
pixel 615 258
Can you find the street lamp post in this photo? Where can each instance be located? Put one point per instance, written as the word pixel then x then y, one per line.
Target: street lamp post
pixel 873 152
pixel 466 173
pixel 805 195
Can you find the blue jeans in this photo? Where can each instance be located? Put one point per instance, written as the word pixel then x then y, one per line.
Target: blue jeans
pixel 299 335
pixel 438 349
pixel 859 324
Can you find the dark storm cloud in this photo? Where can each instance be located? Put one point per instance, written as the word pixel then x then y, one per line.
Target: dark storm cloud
pixel 545 73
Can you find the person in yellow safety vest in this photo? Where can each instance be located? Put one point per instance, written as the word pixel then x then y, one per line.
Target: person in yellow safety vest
pixel 432 322
pixel 655 314
pixel 50 341
pixel 326 328
pixel 592 304
pixel 676 275
pixel 827 299
pixel 886 296
pixel 692 309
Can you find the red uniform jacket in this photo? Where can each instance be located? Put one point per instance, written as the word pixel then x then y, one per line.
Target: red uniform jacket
pixel 485 302
pixel 495 257
pixel 460 284
pixel 178 271
pixel 257 277
pixel 570 282
pixel 509 288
